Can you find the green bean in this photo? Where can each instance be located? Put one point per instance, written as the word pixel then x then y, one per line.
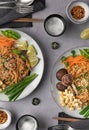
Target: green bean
pixel 86 114
pixel 83 53
pixel 84 110
pixel 12 95
pixel 17 96
pixel 86 50
pixel 10 33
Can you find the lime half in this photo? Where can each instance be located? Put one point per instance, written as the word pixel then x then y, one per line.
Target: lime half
pixel 34 60
pixel 31 51
pixel 85 34
pixel 23 45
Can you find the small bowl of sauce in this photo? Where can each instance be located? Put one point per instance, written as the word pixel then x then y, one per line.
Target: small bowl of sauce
pixel 55 25
pixel 5 118
pixel 78 12
pixel 27 122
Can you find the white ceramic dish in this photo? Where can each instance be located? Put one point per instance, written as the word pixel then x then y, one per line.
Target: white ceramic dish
pixel 27 122
pixel 77 3
pixel 55 25
pixel 8 122
pixel 38 69
pixel 58 65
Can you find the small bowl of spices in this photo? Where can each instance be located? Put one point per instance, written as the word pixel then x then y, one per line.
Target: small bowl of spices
pixel 5 118
pixel 78 12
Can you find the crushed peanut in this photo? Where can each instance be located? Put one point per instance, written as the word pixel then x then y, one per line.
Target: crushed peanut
pixel 78 12
pixel 3 117
pixel 68 100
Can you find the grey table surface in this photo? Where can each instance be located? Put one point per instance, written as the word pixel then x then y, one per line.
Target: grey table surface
pixel 71 38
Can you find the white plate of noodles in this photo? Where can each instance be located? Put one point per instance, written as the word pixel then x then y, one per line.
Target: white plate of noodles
pixel 71 90
pixel 33 85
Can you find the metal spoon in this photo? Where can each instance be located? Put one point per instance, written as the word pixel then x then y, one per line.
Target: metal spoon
pixel 7 2
pixel 17 2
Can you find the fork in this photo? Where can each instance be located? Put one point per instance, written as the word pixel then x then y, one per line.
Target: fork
pixel 24 8
pixel 19 8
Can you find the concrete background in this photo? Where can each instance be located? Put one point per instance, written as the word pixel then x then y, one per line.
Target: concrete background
pixel 71 38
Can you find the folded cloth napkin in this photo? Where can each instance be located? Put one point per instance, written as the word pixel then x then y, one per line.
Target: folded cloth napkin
pixel 7 16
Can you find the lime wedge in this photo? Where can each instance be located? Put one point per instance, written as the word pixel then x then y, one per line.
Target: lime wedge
pixel 31 51
pixel 33 61
pixel 85 34
pixel 23 45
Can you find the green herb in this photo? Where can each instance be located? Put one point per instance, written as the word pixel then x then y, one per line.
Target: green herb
pixel 73 52
pixel 14 91
pixel 77 79
pixel 84 75
pixel 16 51
pixel 35 101
pixel 22 57
pixel 87 88
pixel 3 64
pixel 66 64
pixel 10 33
pixel 11 80
pixel 76 67
pixel 78 88
pixel 88 79
pixel 63 58
pixel 82 112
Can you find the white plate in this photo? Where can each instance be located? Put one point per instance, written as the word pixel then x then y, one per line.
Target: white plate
pixel 38 69
pixel 58 65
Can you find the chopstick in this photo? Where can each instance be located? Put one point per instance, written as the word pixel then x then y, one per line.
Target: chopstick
pixel 28 20
pixel 67 119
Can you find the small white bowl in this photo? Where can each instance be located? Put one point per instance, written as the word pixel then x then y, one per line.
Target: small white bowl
pixel 8 121
pixel 27 122
pixel 77 3
pixel 55 25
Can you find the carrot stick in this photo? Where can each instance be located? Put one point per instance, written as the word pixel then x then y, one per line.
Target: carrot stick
pixel 5 41
pixel 75 60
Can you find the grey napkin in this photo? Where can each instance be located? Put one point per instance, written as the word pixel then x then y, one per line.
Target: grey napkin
pixel 7 16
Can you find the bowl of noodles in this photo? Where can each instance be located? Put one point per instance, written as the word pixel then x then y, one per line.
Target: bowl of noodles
pixel 70 81
pixel 20 60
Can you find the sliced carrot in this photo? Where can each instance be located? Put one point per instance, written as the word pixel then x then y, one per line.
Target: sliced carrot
pixel 5 41
pixel 75 60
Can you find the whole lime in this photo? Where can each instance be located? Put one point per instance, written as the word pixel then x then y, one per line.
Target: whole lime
pixel 85 34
